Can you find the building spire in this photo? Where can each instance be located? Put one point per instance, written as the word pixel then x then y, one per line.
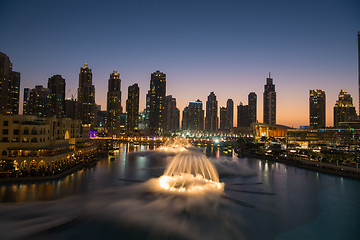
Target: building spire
pixel 269 75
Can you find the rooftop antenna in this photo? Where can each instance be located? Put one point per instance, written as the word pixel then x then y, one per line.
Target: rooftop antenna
pixel 269 75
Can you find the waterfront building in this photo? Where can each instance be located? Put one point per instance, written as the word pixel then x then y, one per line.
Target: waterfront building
pixel 47 144
pixel 193 116
pixel 344 111
pixel 9 87
pixel 243 116
pixel 269 102
pixel 113 104
pixel 39 102
pixel 157 94
pixel 25 100
pixel 260 130
pixel 132 108
pixel 86 107
pixel 252 102
pixel 223 118
pixel 317 114
pixel 229 120
pixel 211 119
pixel 56 85
pixel 172 114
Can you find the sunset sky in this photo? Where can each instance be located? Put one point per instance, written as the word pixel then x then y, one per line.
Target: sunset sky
pixel 228 47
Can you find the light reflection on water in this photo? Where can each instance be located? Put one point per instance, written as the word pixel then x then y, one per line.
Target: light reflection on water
pixel 287 202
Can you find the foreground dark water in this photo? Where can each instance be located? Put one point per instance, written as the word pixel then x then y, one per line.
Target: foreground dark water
pixel 262 200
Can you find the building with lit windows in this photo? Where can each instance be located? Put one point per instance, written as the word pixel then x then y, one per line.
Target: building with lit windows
pixel 46 144
pixel 113 109
pixel 211 119
pixel 172 114
pixel 229 119
pixel 317 107
pixel 344 111
pixel 56 85
pixel 269 102
pixel 9 87
pixel 39 102
pixel 252 102
pixel 193 116
pixel 86 107
pixel 132 108
pixel 156 96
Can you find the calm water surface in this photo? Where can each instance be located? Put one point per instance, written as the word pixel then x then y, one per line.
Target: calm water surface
pixel 264 200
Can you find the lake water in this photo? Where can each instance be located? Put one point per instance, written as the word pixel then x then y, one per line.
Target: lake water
pixel 115 199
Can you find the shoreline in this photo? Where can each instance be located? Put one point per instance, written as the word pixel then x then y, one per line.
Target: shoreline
pixel 57 176
pixel 342 171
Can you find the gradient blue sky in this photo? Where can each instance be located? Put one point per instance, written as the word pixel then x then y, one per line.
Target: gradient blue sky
pixel 223 46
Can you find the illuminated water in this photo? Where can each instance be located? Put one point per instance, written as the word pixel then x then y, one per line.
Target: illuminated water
pixel 261 200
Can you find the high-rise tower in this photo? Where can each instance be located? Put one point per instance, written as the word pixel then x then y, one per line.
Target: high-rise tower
pixel 269 102
pixel 317 114
pixel 39 102
pixel 86 107
pixel 211 119
pixel 56 85
pixel 344 111
pixel 252 102
pixel 193 116
pixel 132 108
pixel 113 108
pixel 157 94
pixel 9 87
pixel 172 114
pixel 359 66
pixel 229 119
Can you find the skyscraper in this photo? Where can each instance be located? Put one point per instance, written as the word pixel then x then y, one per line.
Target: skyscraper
pixel 9 87
pixel 243 117
pixel 211 119
pixel 172 114
pixel 25 100
pixel 193 116
pixel 157 94
pixel 269 102
pixel 132 108
pixel 223 123
pixel 86 107
pixel 39 102
pixel 317 109
pixel 229 114
pixel 56 85
pixel 344 111
pixel 359 66
pixel 113 104
pixel 252 102
pixel 70 108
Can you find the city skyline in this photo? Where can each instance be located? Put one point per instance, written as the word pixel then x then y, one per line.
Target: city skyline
pixel 305 46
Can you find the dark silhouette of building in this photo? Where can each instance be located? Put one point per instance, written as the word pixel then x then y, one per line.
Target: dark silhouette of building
pixel 269 102
pixel 100 119
pixel 193 116
pixel 132 108
pixel 86 107
pixel 344 111
pixel 172 114
pixel 56 85
pixel 359 66
pixel 229 124
pixel 223 115
pixel 211 119
pixel 25 100
pixel 252 102
pixel 243 117
pixel 39 102
pixel 113 109
pixel 317 114
pixel 157 94
pixel 9 87
pixel 70 108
